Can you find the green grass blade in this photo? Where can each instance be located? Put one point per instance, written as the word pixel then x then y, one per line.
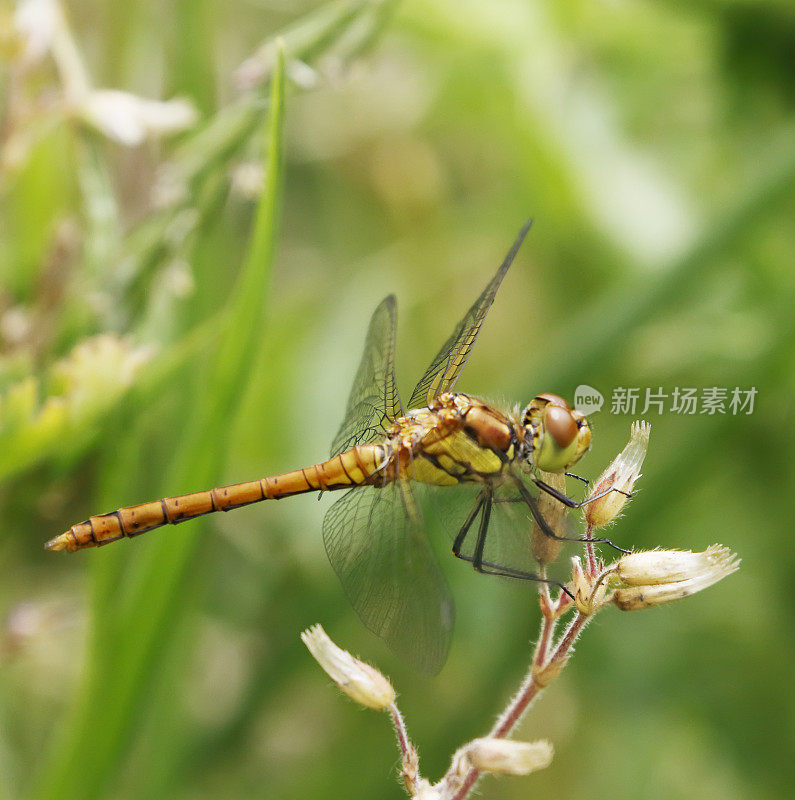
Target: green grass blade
pixel 306 39
pixel 114 694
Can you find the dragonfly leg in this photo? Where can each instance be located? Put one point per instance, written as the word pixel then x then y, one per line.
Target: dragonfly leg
pixel 483 529
pixel 578 478
pixel 462 534
pixel 567 501
pixel 489 567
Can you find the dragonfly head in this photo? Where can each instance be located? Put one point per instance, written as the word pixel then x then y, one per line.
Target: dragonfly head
pixel 558 433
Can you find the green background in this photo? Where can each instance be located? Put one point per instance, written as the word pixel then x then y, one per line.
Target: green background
pixel 653 143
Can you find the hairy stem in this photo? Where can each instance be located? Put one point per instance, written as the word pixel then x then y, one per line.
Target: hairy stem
pixel 409 759
pixel 593 566
pixel 542 672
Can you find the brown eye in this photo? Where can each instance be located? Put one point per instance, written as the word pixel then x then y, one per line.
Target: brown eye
pixel 552 399
pixel 561 425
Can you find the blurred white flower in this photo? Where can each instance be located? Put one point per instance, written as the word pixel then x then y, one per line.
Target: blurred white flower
pixel 16 325
pixel 247 179
pixel 178 278
pixel 363 683
pixel 97 370
pixel 124 117
pixel 661 576
pixel 36 23
pixel 302 75
pixel 129 119
pixel 257 68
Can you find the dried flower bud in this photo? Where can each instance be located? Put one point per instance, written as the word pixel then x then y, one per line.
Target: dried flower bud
pixel 507 757
pixel 365 684
pixel 660 576
pixel 621 476
pixel 579 583
pixel 545 549
pixel 589 593
pixel 426 791
pixel 544 674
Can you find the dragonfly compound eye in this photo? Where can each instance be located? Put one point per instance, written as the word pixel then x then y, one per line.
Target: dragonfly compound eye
pixel 560 424
pixel 534 412
pixel 583 433
pixel 561 438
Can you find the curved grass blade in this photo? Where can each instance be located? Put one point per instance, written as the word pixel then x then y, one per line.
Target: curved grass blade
pixel 114 690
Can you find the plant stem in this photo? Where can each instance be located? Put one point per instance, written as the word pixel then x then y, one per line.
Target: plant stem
pixel 409 757
pixel 548 622
pixel 593 567
pixel 531 687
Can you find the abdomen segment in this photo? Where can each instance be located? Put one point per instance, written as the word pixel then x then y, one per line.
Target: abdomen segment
pixel 354 467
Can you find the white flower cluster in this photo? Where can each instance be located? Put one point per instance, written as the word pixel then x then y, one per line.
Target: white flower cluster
pixel 123 117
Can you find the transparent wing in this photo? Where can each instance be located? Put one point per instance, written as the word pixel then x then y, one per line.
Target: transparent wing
pixel 378 548
pixel 374 401
pixel 443 372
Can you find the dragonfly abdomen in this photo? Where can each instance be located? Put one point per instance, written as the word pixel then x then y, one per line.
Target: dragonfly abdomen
pixel 352 468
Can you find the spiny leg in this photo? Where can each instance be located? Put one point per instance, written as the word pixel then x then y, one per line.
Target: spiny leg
pixel 462 534
pixel 544 525
pixel 578 478
pixel 489 567
pixel 483 528
pixel 567 501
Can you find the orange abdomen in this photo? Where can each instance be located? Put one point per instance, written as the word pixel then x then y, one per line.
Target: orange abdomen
pixel 352 468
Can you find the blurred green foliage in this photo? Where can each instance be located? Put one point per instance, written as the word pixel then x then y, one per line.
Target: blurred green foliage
pixel 167 325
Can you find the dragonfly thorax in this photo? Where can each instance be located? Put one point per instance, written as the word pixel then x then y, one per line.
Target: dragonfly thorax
pixel 457 438
pixel 558 434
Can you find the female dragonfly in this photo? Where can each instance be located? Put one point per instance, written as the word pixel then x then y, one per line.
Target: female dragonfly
pixel 374 533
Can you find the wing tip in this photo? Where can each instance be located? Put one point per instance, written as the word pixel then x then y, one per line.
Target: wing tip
pixel 525 229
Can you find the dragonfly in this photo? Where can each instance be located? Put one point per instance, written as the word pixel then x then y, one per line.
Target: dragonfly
pixel 374 534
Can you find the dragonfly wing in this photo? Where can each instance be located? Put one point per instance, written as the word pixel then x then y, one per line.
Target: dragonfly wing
pixel 377 545
pixel 374 401
pixel 443 372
